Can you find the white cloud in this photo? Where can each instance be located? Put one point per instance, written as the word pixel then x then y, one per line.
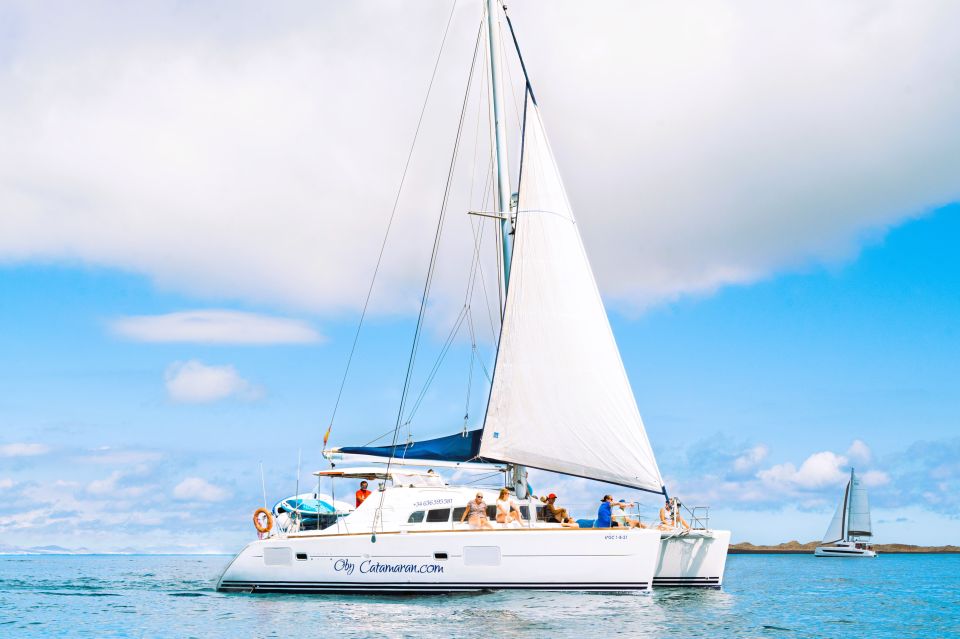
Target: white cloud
pixel 197 489
pixel 751 459
pixel 194 382
pixel 818 470
pixel 7 483
pixel 23 450
pixel 706 143
pixel 859 451
pixel 118 457
pixel 114 487
pixel 215 327
pixel 874 478
pixel 105 486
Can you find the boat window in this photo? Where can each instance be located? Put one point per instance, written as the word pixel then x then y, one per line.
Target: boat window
pixel 438 515
pixel 416 518
pixel 458 513
pixel 492 512
pixel 525 512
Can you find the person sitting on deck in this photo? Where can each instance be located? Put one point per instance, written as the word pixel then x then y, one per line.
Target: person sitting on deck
pixel 363 493
pixel 554 515
pixel 476 513
pixel 622 520
pixel 605 512
pixel 670 516
pixel 507 510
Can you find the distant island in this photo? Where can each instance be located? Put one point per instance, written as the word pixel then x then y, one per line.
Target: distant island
pixel 795 547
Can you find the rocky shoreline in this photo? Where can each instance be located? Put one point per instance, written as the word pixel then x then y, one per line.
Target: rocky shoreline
pixel 795 547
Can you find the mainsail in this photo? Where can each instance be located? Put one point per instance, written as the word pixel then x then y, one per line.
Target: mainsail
pixel 858 521
pixel 560 398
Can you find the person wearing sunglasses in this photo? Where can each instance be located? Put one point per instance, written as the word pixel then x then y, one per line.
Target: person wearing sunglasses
pixel 476 513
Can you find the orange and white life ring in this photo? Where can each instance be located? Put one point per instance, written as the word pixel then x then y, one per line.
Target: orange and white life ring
pixel 257 520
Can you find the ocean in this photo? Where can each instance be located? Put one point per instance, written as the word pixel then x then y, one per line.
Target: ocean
pixel 764 596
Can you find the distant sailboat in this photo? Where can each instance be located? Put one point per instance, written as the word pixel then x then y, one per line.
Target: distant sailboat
pixel 850 530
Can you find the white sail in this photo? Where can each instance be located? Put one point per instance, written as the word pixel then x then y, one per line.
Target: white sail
pixel 560 398
pixel 858 519
pixel 835 531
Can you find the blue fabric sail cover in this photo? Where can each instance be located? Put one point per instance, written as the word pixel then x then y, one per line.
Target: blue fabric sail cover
pixel 456 448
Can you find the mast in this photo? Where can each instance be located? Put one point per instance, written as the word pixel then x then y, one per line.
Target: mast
pixel 845 520
pixel 502 201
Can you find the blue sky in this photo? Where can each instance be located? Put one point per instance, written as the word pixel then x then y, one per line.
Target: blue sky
pixel 799 364
pixel 190 210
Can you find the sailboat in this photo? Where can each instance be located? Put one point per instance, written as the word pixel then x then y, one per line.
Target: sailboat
pixel 849 532
pixel 559 401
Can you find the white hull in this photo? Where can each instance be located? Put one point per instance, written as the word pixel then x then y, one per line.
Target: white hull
pixel 844 549
pixel 448 561
pixel 696 558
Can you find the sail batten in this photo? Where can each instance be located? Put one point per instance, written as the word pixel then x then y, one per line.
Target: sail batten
pixel 560 398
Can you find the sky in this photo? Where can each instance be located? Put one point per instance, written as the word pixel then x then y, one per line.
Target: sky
pixel 193 199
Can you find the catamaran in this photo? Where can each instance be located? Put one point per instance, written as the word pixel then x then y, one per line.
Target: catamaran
pixel 850 531
pixel 559 401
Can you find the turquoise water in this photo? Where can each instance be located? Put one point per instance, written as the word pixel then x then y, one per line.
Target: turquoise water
pixel 764 596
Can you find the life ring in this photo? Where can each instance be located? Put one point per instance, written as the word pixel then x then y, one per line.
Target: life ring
pixel 261 528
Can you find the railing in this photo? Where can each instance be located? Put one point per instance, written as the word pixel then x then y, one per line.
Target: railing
pixel 699 517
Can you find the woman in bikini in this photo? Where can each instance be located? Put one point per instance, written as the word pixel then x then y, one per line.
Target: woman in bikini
pixel 507 510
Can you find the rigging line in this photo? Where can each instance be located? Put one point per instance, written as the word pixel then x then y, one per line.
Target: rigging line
pixel 377 438
pixel 516 45
pixel 483 280
pixel 430 273
pixel 393 212
pixel 434 254
pixel 475 264
pixel 478 242
pixel 482 478
pixel 513 93
pixel 487 194
pixel 436 365
pixel 466 410
pixel 476 148
pixel 448 343
pixel 498 240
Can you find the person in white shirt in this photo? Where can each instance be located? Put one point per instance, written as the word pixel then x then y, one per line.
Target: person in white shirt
pixel 507 510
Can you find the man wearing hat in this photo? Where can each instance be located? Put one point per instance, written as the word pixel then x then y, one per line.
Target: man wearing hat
pixel 552 514
pixel 605 513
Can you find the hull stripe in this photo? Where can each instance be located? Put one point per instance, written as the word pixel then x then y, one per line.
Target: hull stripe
pixel 272 586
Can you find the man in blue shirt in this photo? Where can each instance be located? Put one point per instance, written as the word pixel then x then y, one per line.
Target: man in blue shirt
pixel 605 513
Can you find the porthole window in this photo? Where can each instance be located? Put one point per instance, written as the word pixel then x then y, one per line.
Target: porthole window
pixel 416 518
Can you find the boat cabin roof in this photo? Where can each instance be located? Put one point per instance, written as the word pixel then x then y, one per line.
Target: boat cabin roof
pixel 402 475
